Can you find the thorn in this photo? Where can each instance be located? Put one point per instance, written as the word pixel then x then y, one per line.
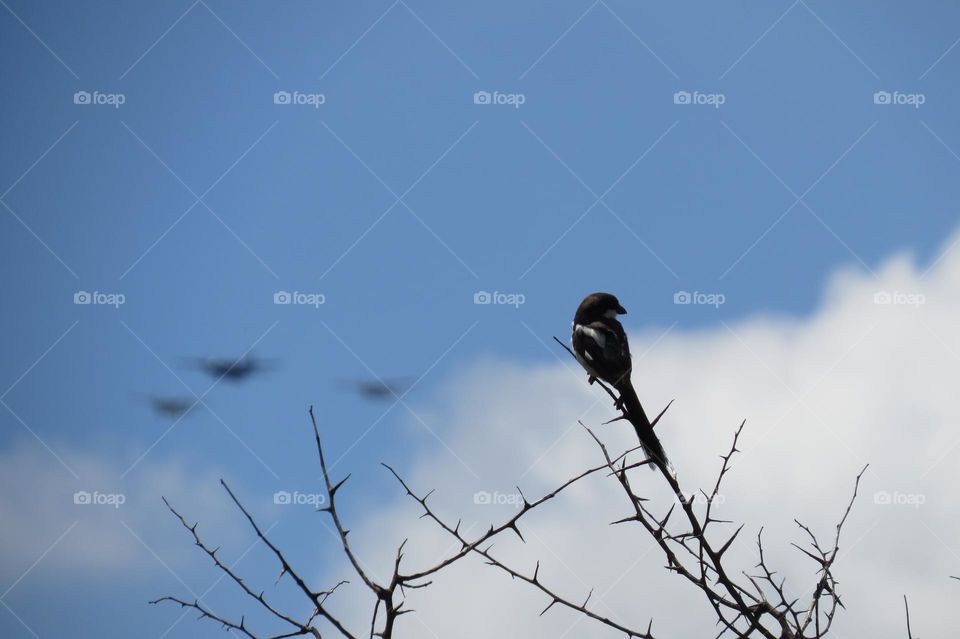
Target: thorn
pixel 526 504
pixel 669 512
pixel 338 485
pixel 657 419
pixel 549 606
pixel 730 541
pixel 811 555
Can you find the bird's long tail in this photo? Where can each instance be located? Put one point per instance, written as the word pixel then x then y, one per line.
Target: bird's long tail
pixel 648 440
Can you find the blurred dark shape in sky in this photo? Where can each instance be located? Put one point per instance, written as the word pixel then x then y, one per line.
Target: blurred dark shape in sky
pixel 234 370
pixel 378 389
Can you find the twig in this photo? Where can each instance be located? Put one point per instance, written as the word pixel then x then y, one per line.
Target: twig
pixel 906 609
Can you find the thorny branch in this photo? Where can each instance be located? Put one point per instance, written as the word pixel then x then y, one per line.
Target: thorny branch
pixel 745 605
pixel 389 604
pixel 748 605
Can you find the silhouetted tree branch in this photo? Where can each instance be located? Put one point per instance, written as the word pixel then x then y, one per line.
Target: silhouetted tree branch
pixel 389 598
pixel 748 605
pixel 745 604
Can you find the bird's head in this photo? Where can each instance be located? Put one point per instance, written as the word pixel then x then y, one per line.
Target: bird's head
pixel 597 306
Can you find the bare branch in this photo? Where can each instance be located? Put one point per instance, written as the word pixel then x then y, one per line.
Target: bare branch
pixel 906 609
pixel 534 579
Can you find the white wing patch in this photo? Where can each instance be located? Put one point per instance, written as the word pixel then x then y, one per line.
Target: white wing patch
pixel 599 338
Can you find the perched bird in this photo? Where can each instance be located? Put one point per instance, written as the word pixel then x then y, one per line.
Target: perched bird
pixel 234 370
pixel 600 345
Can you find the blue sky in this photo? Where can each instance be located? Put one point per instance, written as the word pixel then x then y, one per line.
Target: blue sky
pixel 398 198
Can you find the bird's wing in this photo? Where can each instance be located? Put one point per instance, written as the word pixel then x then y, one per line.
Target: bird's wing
pixel 605 347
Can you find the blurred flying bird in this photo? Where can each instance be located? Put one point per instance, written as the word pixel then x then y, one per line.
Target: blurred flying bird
pixel 600 345
pixel 378 389
pixel 169 405
pixel 234 370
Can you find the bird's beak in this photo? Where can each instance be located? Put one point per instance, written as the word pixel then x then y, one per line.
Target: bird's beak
pixel 621 310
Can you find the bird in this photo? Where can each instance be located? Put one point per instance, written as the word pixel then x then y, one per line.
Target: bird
pixel 234 370
pixel 377 389
pixel 172 406
pixel 169 405
pixel 600 345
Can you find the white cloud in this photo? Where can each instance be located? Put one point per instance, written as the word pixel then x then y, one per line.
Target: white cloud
pixel 857 381
pixel 99 539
